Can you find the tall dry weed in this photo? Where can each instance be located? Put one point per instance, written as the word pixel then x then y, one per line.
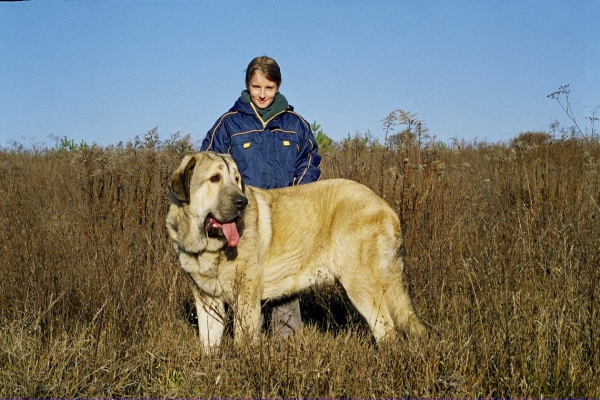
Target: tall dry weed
pixel 502 257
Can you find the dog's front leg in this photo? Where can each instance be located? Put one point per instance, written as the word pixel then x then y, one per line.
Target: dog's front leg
pixel 248 319
pixel 211 320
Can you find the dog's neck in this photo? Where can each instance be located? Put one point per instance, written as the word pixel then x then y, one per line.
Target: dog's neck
pixel 230 253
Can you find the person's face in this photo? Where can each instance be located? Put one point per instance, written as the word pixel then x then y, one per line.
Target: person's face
pixel 262 91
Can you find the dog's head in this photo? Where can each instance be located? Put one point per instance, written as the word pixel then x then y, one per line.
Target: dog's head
pixel 209 189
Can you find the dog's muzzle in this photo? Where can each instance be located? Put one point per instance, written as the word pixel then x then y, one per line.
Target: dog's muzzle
pixel 228 229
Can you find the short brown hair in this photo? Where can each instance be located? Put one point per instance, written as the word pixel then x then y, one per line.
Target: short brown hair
pixel 267 66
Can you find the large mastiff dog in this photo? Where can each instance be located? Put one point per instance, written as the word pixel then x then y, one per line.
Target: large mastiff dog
pixel 241 245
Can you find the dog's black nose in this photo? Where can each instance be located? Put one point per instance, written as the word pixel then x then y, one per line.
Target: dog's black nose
pixel 240 202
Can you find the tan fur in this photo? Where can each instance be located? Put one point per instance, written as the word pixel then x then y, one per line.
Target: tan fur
pixel 291 238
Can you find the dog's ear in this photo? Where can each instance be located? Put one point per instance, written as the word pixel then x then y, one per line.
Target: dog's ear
pixel 180 182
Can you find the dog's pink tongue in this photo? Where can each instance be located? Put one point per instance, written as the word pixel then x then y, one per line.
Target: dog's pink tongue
pixel 231 233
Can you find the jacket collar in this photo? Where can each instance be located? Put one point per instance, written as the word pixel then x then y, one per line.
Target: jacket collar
pixel 242 106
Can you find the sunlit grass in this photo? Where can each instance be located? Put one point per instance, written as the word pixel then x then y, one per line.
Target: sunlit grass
pixel 502 257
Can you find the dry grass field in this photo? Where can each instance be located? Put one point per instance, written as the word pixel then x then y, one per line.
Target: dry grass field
pixel 502 259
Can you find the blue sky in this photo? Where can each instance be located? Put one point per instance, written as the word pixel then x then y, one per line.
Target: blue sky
pixel 106 71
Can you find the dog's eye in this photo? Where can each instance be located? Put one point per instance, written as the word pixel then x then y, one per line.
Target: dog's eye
pixel 215 178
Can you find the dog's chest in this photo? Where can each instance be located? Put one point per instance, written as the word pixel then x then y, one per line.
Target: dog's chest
pixel 204 271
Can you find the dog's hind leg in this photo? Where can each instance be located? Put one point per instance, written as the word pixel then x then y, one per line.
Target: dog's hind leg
pixel 368 296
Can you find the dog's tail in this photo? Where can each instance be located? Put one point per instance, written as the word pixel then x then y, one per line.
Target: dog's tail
pixel 399 303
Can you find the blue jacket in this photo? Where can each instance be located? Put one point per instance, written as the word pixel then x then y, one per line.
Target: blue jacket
pixel 279 153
